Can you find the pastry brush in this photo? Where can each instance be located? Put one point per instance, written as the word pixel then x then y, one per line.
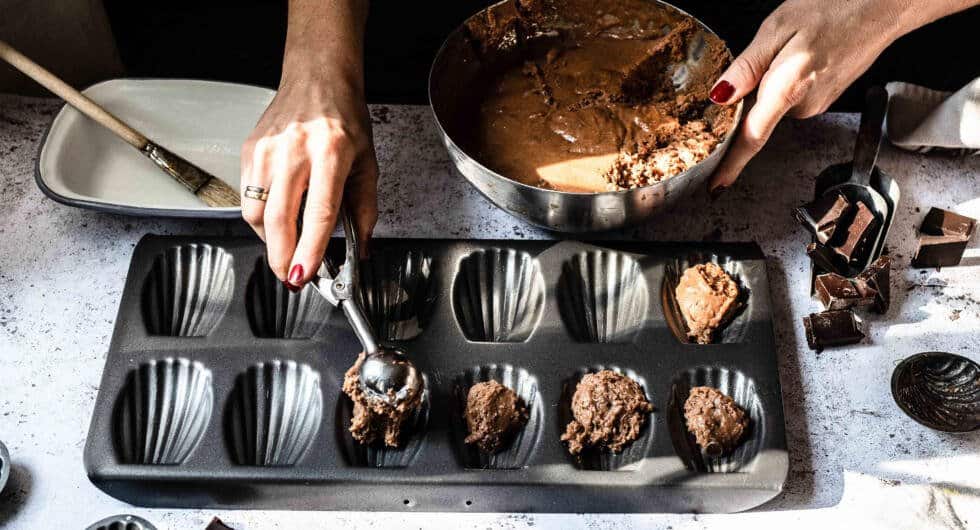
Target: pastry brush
pixel 210 189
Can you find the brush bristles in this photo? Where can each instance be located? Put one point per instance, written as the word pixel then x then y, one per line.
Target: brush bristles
pixel 217 194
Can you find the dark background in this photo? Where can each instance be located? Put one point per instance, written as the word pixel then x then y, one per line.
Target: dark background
pixel 243 42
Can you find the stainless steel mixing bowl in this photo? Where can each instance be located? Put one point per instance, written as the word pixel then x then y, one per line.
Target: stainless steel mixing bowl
pixel 454 71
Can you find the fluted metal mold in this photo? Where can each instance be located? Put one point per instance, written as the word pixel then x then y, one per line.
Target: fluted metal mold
pixel 939 390
pixel 517 453
pixel 498 295
pixel 122 522
pixel 734 331
pixel 397 293
pixel 274 413
pixel 603 296
pixel 163 411
pixel 187 290
pixel 276 312
pixel 741 389
pixel 598 459
pixel 378 454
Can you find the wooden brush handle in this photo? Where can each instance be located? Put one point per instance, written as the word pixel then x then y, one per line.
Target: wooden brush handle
pixel 73 97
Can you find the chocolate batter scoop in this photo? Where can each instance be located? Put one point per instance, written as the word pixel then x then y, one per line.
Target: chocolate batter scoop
pixel 716 421
pixel 707 298
pixel 493 414
pixel 375 418
pixel 609 410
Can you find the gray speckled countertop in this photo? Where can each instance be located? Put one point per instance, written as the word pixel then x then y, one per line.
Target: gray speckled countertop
pixel 854 456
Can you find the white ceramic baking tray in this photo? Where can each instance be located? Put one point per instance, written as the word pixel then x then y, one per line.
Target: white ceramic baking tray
pixel 82 164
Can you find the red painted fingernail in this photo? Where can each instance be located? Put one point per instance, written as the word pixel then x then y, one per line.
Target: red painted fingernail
pixel 722 92
pixel 715 193
pixel 292 288
pixel 296 275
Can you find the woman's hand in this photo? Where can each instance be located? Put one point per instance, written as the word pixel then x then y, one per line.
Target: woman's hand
pixel 314 139
pixel 804 56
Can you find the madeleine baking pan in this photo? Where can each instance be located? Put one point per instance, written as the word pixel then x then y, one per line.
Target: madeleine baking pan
pixel 222 389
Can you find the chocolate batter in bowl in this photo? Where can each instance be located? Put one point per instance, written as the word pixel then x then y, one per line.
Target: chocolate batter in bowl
pixel 582 116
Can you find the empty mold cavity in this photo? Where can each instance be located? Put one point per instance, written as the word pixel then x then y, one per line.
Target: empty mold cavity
pixel 187 290
pixel 378 454
pixel 517 453
pixel 498 295
pixel 741 389
pixel 275 312
pixel 732 332
pixel 599 459
pixel 603 296
pixel 274 413
pixel 397 293
pixel 163 411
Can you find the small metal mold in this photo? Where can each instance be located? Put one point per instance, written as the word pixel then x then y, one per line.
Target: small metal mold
pixel 122 522
pixel 274 413
pixel 397 293
pixel 939 390
pixel 600 459
pixel 735 329
pixel 275 312
pixel 603 296
pixel 4 466
pixel 187 290
pixel 518 452
pixel 498 295
pixel 163 411
pixel 741 389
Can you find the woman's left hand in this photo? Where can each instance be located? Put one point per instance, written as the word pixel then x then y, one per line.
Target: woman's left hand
pixel 803 57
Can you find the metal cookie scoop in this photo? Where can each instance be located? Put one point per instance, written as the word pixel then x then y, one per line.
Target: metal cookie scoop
pixel 387 374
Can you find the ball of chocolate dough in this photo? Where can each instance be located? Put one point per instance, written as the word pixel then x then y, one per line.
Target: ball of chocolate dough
pixel 716 421
pixel 609 410
pixel 493 414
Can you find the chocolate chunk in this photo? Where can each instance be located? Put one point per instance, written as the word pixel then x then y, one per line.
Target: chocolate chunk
pixel 860 232
pixel 837 292
pixel 877 278
pixel 217 524
pixel 824 258
pixel 939 251
pixel 939 222
pixel 822 216
pixel 832 328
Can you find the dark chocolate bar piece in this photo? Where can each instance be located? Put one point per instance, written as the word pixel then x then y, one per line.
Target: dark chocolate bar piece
pixel 939 222
pixel 837 292
pixel 832 328
pixel 822 216
pixel 939 251
pixel 877 279
pixel 861 230
pixel 217 524
pixel 824 258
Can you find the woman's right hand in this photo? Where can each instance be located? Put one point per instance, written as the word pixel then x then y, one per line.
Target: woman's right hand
pixel 314 139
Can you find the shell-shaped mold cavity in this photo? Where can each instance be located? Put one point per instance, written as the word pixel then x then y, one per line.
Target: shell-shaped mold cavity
pixel 274 413
pixel 735 329
pixel 122 522
pixel 518 452
pixel 378 454
pixel 275 312
pixel 599 459
pixel 187 290
pixel 741 389
pixel 163 411
pixel 397 293
pixel 939 390
pixel 603 296
pixel 498 295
